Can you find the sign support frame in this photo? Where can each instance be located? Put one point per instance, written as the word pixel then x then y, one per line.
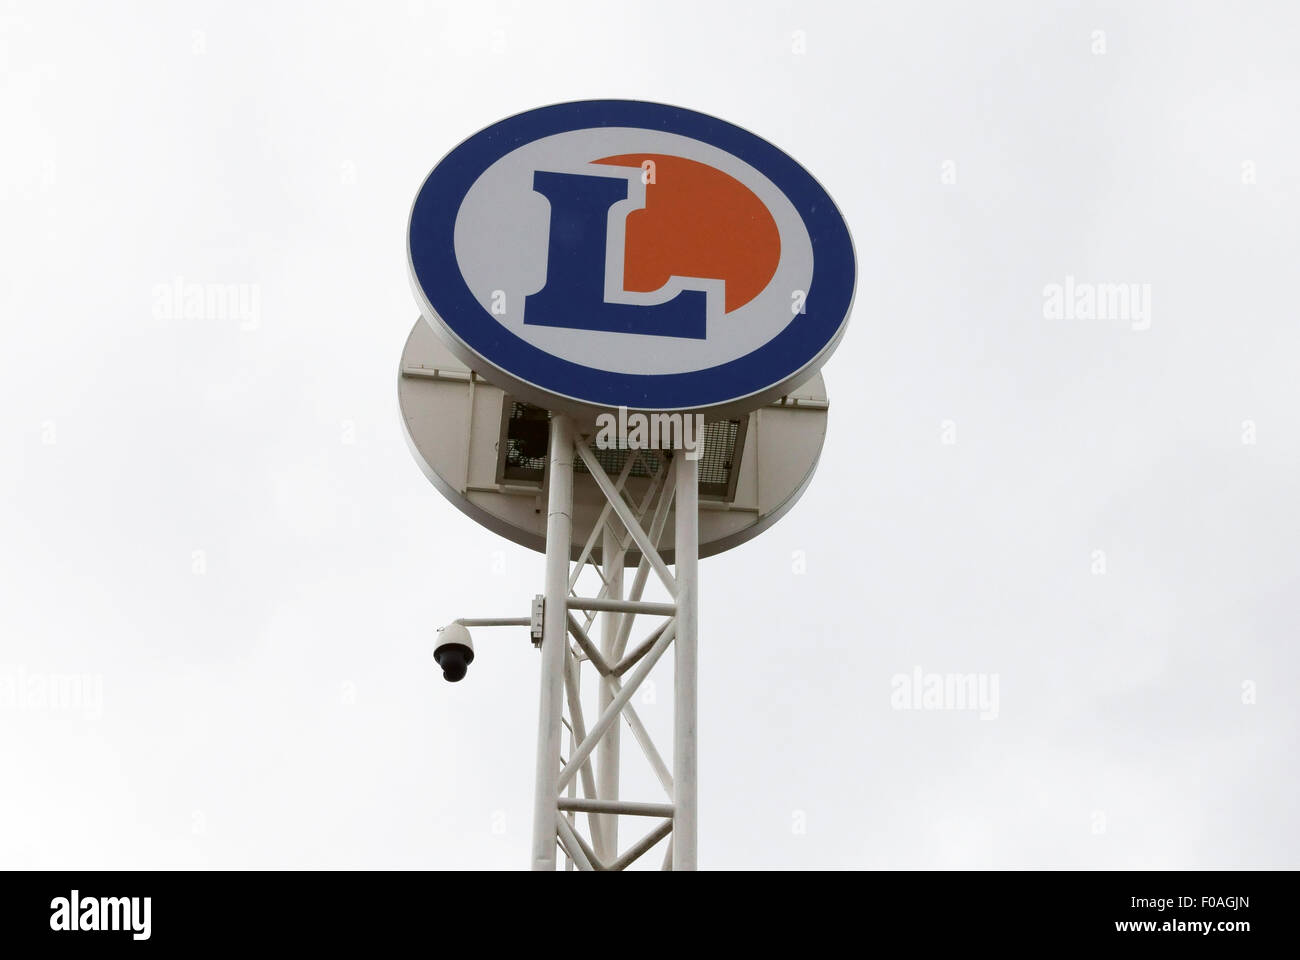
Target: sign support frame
pixel 566 645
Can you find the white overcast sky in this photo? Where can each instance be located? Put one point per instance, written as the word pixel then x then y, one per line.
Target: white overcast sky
pixel 183 520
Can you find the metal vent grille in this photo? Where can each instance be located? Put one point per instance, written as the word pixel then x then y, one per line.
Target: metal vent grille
pixel 614 460
pixel 525 434
pixel 717 455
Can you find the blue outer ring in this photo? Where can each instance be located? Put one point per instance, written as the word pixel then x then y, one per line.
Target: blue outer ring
pixel 433 260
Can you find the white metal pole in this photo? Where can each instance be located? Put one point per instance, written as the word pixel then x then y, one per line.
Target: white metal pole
pixel 573 741
pixel 559 530
pixel 607 779
pixel 686 548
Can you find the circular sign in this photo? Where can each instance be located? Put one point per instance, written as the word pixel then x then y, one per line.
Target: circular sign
pixel 613 253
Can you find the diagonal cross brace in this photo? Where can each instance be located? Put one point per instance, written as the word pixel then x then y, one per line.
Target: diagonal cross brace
pixel 625 514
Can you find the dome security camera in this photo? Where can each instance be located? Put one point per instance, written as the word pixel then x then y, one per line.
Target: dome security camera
pixel 454 652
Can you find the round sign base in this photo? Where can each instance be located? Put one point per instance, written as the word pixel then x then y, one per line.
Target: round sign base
pixel 486 452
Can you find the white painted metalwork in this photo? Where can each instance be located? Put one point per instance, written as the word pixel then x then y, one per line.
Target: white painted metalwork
pixel 555 648
pixel 452 422
pixel 684 683
pixel 618 528
pixel 571 785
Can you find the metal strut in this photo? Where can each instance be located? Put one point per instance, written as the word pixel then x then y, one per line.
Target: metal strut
pixel 556 824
